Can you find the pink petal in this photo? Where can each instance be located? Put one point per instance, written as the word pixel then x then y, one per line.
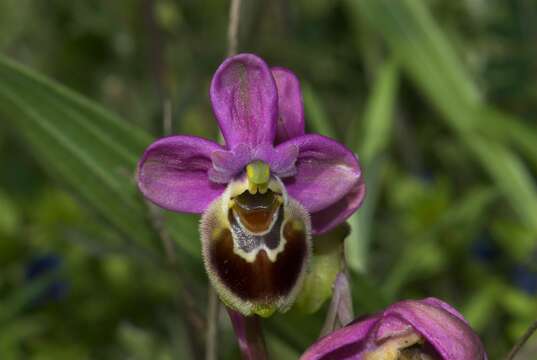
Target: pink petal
pixel 290 106
pixel 346 343
pixel 326 172
pixel 173 173
pixel 245 101
pixel 333 215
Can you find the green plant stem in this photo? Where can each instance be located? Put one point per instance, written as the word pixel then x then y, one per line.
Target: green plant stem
pixel 522 341
pixel 233 27
pixel 211 351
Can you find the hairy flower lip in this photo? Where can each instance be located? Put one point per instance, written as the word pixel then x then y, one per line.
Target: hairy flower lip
pixel 260 113
pixel 439 324
pixel 256 273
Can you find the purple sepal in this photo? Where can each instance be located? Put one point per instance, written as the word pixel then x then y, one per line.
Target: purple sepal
pixel 173 173
pixel 335 214
pixel 440 325
pixel 245 101
pixel 290 106
pixel 228 163
pixel 389 329
pixel 346 343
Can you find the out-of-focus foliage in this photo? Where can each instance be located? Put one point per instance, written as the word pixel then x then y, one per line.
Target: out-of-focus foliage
pixel 439 98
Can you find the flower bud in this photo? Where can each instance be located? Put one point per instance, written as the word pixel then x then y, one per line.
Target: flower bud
pixel 426 329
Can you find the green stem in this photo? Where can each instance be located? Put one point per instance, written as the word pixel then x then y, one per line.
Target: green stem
pixel 211 344
pixel 522 341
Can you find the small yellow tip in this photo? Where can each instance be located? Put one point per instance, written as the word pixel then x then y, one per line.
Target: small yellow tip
pixel 252 188
pixel 258 174
pixel 264 311
pixel 297 225
pixel 262 188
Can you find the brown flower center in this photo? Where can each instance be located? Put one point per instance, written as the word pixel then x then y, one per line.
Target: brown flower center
pixel 256 212
pixel 256 248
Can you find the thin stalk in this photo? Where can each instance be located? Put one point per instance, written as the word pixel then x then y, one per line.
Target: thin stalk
pixel 233 27
pixel 185 300
pixel 156 50
pixel 522 341
pixel 211 351
pixel 249 335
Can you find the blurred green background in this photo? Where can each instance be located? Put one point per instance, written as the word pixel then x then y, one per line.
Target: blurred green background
pixel 438 98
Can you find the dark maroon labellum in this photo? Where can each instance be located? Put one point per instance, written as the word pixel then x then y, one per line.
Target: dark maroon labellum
pixel 256 248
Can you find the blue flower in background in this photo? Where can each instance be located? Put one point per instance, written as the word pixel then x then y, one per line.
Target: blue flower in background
pixel 522 275
pixel 525 278
pixel 485 249
pixel 46 268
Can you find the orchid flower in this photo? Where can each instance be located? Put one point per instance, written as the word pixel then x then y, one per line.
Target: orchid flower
pixel 426 329
pixel 262 194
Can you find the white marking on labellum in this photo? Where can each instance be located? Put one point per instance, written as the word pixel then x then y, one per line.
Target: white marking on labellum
pixel 256 263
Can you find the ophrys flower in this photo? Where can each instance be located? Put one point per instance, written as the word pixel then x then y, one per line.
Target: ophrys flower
pixel 263 193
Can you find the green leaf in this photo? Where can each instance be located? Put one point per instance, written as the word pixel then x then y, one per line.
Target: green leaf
pixel 511 176
pixel 9 215
pixel 424 52
pixel 422 253
pixel 478 308
pixel 378 122
pixel 509 129
pixel 432 63
pixel 88 148
pixel 22 297
pixel 316 116
pixel 379 113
